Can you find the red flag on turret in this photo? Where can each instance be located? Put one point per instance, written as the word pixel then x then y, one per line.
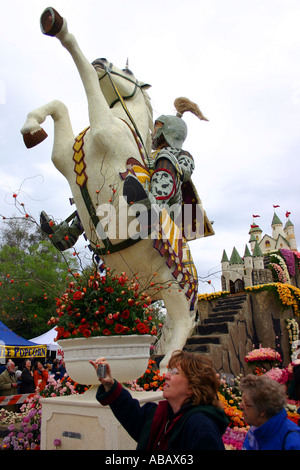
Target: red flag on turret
pixel 275 206
pixel 287 213
pixel 255 215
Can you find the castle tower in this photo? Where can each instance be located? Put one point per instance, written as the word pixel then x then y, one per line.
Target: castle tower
pixel 225 279
pixel 290 235
pixel 225 261
pixel 258 258
pixel 255 235
pixel 277 227
pixel 248 262
pixel 236 264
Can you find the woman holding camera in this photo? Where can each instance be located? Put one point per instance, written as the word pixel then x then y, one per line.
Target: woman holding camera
pixel 190 417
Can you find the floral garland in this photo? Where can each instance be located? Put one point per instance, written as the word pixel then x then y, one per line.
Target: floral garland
pixel 214 295
pixel 292 327
pixel 280 261
pixel 289 260
pixel 288 295
pixel 297 254
pixel 279 272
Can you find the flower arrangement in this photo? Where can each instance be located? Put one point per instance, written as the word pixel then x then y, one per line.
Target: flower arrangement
pixel 106 305
pixel 263 355
pixel 29 420
pixel 233 438
pixel 233 413
pixel 151 380
pixel 29 436
pixel 281 376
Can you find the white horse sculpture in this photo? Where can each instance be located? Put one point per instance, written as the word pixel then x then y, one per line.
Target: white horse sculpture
pixel 119 132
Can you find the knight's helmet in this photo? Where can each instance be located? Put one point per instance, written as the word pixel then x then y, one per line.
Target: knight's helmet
pixel 174 129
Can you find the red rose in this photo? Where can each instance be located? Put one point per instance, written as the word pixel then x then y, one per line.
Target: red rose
pixel 87 333
pixel 119 328
pixel 110 290
pixel 77 295
pixel 101 309
pixel 143 329
pixel 125 314
pixel 106 332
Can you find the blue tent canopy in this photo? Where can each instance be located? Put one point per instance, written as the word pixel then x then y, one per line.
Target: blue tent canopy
pixel 14 346
pixel 10 338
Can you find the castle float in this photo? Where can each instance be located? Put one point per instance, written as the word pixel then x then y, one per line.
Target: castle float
pixel 269 259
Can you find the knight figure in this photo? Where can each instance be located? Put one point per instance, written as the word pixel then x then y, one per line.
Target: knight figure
pixel 170 167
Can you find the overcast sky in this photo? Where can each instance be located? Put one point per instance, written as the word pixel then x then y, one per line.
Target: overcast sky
pixel 237 59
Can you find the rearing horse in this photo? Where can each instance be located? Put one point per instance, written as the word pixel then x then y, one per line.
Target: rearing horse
pixel 120 125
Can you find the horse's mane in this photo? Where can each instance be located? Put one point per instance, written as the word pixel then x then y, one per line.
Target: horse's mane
pixel 150 120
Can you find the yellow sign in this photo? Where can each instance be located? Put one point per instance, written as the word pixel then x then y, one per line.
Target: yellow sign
pixel 22 351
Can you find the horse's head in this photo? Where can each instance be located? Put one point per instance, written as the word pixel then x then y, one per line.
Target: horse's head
pixel 115 82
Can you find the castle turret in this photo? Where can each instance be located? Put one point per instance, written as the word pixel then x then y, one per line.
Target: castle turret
pixel 290 235
pixel 236 263
pixel 225 261
pixel 248 263
pixel 258 258
pixel 277 227
pixel 225 272
pixel 255 235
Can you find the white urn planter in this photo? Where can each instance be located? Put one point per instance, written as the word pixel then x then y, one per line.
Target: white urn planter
pixel 127 356
pixel 80 421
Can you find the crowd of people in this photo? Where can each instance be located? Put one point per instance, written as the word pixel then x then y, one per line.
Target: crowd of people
pixel 191 417
pixel 28 377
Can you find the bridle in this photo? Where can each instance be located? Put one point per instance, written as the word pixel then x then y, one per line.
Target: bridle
pixel 121 99
pixel 109 72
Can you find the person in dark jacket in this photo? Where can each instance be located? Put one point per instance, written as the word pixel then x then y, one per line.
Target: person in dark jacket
pixel 190 418
pixel 263 403
pixel 27 381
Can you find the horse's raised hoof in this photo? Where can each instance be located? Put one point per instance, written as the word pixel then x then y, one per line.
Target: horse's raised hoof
pixel 31 140
pixel 51 22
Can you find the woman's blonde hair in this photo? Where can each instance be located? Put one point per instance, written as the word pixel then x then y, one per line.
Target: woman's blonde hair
pixel 202 377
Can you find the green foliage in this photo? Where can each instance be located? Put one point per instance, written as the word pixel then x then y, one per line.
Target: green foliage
pixel 32 274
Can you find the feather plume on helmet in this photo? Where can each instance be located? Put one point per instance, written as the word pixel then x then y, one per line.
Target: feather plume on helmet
pixel 174 129
pixel 184 104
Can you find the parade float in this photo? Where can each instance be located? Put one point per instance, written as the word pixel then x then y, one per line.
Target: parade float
pixel 116 144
